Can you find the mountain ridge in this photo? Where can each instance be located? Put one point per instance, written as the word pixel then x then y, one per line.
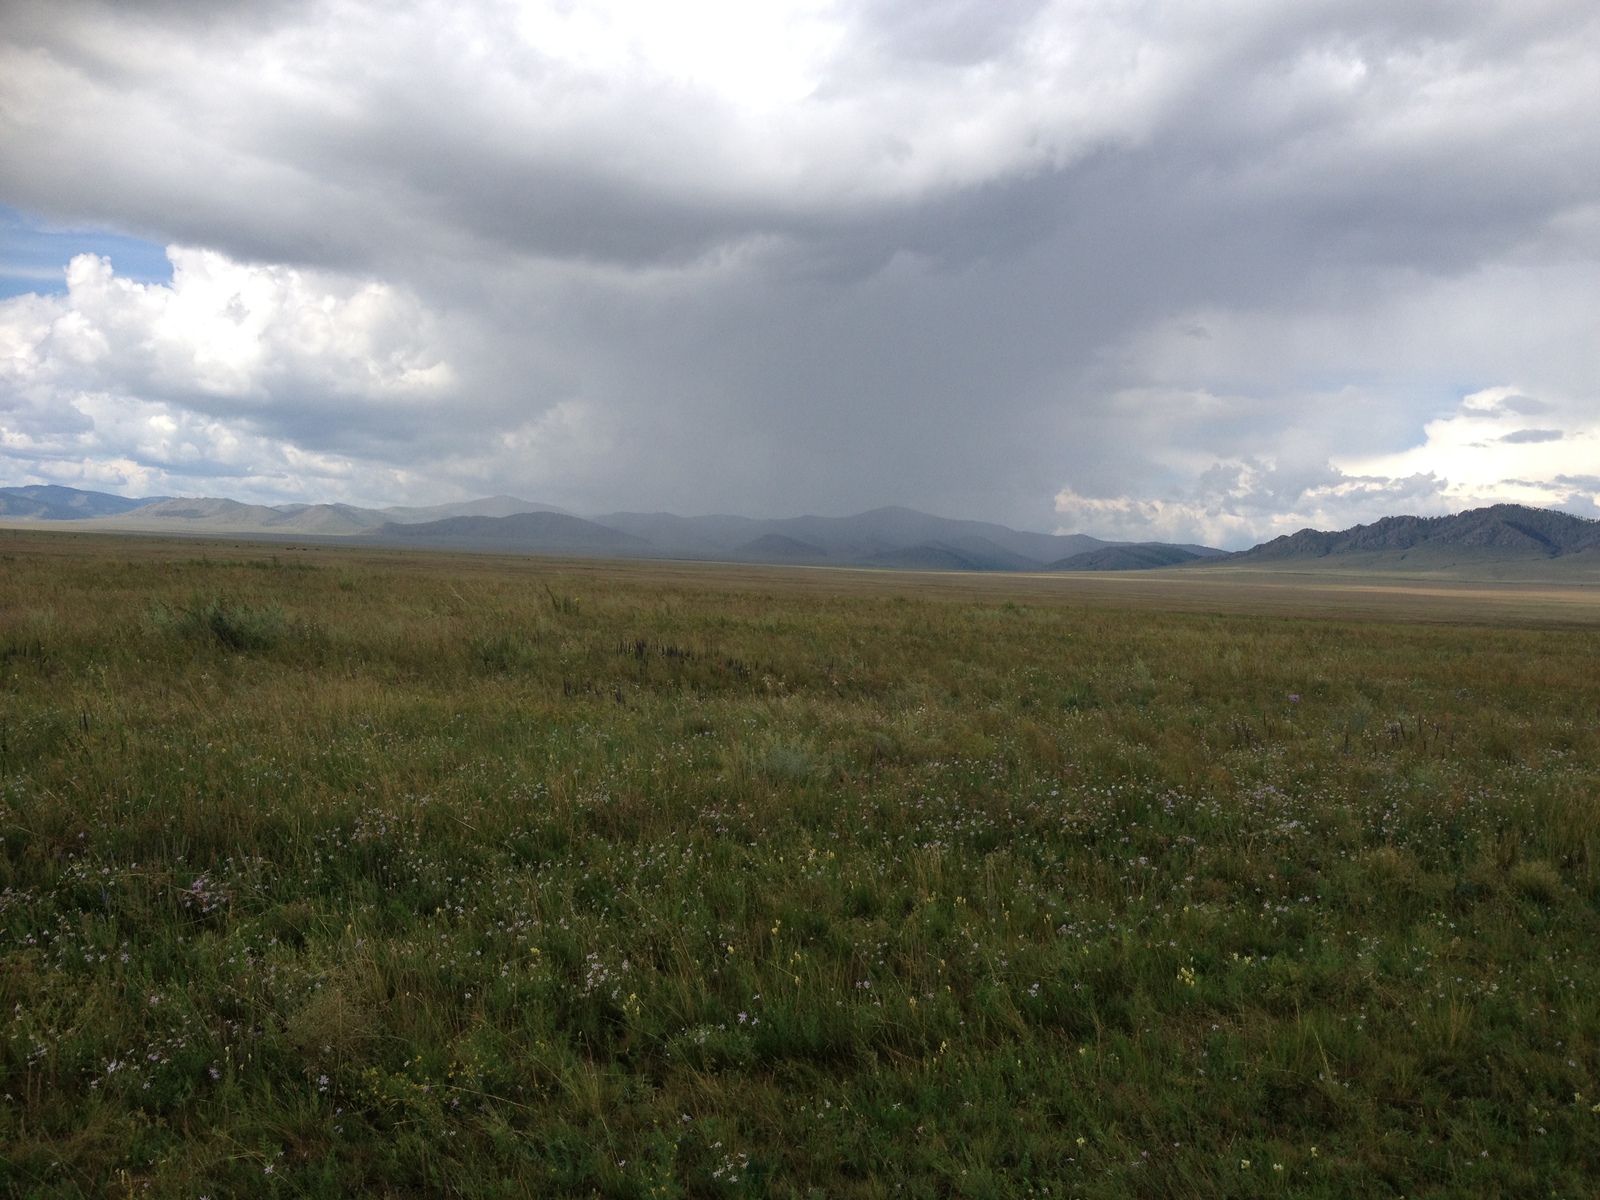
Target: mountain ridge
pixel 1140 556
pixel 55 502
pixel 222 516
pixel 1501 536
pixel 856 538
pixel 528 531
pixel 1497 531
pixel 889 536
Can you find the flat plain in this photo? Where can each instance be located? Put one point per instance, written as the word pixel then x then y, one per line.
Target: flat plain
pixel 327 871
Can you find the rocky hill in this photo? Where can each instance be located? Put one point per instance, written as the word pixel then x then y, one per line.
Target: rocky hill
pixel 1502 531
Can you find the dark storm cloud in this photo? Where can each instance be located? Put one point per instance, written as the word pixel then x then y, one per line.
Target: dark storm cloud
pixel 990 252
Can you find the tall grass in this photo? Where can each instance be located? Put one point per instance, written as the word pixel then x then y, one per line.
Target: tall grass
pixel 426 877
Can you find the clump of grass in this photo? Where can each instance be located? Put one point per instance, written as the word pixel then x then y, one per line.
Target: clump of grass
pixel 503 651
pixel 330 1028
pixel 235 627
pixel 1537 880
pixel 788 762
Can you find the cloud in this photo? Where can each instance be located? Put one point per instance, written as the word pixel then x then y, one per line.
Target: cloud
pixel 820 255
pixel 614 129
pixel 1520 405
pixel 1487 462
pixel 1238 504
pixel 1365 383
pixel 1463 461
pixel 215 376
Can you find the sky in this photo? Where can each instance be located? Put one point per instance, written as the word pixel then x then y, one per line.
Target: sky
pixel 1136 268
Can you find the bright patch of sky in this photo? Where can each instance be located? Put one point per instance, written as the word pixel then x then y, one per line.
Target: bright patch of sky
pixel 34 254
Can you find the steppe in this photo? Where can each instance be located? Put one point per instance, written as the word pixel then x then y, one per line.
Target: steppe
pixel 330 871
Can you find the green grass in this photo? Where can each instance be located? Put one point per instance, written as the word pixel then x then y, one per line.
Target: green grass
pixel 325 874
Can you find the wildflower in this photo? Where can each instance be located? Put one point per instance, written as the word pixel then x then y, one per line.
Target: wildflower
pixel 1244 1164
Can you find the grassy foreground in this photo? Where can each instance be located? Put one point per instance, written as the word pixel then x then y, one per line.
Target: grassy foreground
pixel 334 874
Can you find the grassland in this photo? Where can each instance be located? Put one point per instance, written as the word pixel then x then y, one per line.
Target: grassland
pixel 336 872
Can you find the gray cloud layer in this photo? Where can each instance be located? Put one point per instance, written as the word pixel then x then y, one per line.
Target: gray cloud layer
pixel 1160 268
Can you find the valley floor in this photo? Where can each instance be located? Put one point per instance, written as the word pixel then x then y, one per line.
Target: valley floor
pixel 327 871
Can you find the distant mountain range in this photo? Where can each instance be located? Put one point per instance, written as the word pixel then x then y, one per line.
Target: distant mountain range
pixel 164 515
pixel 530 532
pixel 49 502
pixel 884 537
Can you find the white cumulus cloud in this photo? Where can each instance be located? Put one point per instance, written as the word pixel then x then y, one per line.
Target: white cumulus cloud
pixel 193 381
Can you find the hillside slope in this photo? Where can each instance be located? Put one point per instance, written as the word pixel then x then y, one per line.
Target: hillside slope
pixel 1502 532
pixel 1143 556
pixel 549 532
pixel 52 502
